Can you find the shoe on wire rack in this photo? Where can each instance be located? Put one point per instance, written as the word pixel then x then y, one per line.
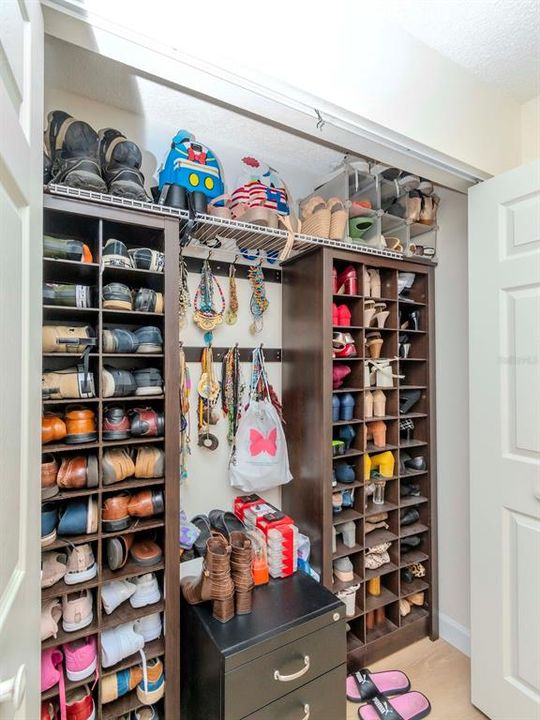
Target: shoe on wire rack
pixel 72 147
pixel 121 161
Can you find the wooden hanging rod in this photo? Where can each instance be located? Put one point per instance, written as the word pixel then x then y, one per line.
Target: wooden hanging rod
pixel 221 267
pixel 193 354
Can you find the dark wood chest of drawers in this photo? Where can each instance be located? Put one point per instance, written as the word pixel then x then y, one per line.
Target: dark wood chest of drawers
pixel 284 661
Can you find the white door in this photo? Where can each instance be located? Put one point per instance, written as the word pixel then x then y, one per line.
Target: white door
pixel 21 109
pixel 504 332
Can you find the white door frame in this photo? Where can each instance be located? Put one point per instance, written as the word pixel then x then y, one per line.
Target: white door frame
pixel 271 100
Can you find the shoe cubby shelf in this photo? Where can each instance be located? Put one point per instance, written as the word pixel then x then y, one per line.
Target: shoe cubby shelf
pixel 235 235
pixel 377 626
pixel 93 221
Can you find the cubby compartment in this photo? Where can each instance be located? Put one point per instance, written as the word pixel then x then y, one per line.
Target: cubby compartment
pixel 57 223
pixel 417 294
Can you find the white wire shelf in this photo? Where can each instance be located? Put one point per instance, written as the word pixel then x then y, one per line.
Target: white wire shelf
pixel 230 236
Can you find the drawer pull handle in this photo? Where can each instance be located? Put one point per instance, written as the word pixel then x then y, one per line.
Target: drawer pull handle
pixel 307 712
pixel 294 676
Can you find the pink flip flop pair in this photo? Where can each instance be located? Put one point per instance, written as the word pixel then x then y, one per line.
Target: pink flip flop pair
pixel 375 689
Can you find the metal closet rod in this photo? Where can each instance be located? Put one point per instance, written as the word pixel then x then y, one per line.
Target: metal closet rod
pixel 193 353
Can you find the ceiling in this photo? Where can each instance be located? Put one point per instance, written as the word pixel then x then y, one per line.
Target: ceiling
pixel 498 41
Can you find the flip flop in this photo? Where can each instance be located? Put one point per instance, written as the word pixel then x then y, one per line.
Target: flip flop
pixel 411 706
pixel 364 685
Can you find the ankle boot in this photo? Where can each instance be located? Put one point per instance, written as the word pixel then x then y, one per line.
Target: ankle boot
pixel 241 558
pixel 215 582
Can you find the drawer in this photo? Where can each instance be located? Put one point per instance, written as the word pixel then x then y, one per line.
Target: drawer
pixel 321 699
pixel 271 676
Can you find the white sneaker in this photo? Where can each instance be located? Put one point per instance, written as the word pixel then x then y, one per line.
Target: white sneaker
pixel 119 643
pixel 149 627
pixel 81 565
pixel 115 592
pixel 147 592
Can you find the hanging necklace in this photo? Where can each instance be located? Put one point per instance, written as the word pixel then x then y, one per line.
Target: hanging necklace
pixel 232 391
pixel 231 316
pixel 259 302
pixel 184 300
pixel 206 316
pixel 185 429
pixel 208 389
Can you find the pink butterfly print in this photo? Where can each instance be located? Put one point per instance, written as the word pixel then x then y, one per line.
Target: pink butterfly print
pixel 258 443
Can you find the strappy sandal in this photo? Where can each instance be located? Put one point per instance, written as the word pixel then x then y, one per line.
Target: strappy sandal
pixel 338 218
pixel 316 217
pixel 363 685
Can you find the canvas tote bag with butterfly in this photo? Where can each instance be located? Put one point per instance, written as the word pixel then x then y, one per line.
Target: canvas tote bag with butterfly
pixel 260 461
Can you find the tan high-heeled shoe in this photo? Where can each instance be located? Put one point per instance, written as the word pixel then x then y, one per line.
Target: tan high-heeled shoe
pixel 366 282
pixel 369 312
pixel 368 404
pixel 376 431
pixel 374 343
pixel 379 403
pixel 375 282
pixel 380 316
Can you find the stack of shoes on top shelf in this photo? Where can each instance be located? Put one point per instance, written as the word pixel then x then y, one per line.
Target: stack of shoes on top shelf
pixel 78 157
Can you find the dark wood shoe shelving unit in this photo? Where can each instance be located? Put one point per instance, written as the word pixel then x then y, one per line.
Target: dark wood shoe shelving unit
pixel 307 401
pixel 93 224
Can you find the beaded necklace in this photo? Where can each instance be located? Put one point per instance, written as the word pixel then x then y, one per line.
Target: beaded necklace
pixel 232 391
pixel 206 316
pixel 184 300
pixel 185 427
pixel 208 389
pixel 231 316
pixel 259 302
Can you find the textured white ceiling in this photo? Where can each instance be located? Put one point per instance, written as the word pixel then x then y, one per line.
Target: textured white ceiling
pixel 497 40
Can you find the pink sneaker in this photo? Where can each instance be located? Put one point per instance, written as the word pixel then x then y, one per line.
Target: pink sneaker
pixel 81 658
pixel 51 668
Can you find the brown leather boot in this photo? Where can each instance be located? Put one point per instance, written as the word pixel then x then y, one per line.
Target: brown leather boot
pixel 241 559
pixel 215 582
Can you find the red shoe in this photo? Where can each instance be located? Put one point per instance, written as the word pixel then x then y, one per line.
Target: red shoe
pixel 334 281
pixel 339 373
pixel 335 315
pixel 343 316
pixel 80 704
pixel 348 280
pixel 348 351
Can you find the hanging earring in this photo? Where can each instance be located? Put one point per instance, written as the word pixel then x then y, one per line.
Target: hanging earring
pixel 231 316
pixel 259 302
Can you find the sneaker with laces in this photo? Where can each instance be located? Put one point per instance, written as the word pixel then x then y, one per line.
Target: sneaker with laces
pixel 77 610
pixel 81 565
pixel 119 643
pixel 152 686
pixel 149 627
pixel 147 591
pixel 80 658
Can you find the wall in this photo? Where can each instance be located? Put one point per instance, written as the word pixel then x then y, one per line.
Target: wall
pixel 352 57
pixel 451 302
pixel 530 130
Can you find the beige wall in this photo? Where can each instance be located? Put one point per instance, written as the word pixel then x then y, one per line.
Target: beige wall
pixel 530 130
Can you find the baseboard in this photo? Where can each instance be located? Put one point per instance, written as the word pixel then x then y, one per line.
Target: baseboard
pixel 455 634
